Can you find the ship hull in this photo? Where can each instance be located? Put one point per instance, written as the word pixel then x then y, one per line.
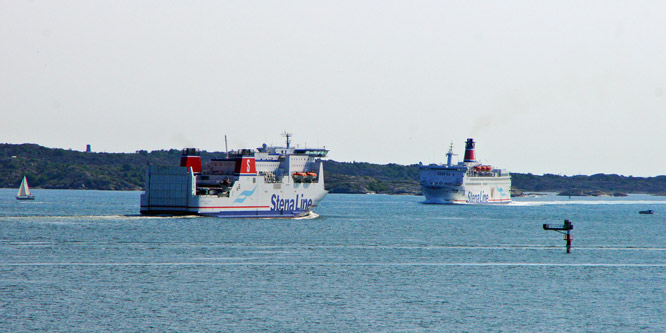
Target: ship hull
pixel 235 212
pixel 173 191
pixel 260 214
pixel 468 182
pixel 493 192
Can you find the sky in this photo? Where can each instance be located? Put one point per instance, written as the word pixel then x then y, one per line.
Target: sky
pixel 562 87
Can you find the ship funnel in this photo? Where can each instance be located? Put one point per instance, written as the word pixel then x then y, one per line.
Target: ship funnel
pixel 191 158
pixel 470 155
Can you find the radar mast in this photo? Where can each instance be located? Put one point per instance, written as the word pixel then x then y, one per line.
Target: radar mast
pixel 449 155
pixel 287 135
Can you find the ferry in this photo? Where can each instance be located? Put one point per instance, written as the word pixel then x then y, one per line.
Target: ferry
pixel 467 182
pixel 268 182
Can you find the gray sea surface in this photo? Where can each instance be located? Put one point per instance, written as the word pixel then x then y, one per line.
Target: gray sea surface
pixel 86 261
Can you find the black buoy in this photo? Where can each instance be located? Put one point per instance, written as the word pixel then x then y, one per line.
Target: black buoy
pixel 567 226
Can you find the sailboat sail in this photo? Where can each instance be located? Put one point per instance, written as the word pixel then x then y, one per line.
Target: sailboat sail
pixel 24 190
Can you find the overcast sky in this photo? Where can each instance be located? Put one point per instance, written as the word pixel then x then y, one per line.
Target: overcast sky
pixel 565 87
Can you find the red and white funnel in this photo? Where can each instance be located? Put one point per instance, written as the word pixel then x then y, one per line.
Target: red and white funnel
pixel 470 155
pixel 191 158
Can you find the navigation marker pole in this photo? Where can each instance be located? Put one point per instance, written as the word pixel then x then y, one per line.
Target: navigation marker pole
pixel 567 226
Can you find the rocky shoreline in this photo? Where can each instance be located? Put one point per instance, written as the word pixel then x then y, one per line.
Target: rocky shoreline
pixel 590 193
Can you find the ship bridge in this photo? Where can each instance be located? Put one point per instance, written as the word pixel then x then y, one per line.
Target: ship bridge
pixel 314 152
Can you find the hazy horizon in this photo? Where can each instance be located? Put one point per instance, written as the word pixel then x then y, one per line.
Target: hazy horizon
pixel 561 87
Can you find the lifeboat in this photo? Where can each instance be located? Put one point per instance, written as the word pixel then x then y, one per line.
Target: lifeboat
pixel 310 176
pixel 299 176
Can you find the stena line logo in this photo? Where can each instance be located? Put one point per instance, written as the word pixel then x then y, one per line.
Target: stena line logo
pixel 245 165
pixel 279 204
pixel 477 198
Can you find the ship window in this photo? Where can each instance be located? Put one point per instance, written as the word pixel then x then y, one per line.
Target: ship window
pixel 254 180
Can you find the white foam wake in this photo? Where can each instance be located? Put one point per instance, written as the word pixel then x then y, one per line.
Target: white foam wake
pixel 585 202
pixel 308 216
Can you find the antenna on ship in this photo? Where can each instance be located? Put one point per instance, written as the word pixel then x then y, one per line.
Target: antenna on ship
pixel 226 149
pixel 287 135
pixel 450 155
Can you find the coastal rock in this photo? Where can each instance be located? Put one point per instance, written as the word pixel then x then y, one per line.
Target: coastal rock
pixel 516 193
pixel 590 193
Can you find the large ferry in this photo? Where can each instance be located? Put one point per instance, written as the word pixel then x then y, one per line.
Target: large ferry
pixel 468 182
pixel 266 182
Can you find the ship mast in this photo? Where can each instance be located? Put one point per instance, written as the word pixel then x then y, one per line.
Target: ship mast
pixel 287 135
pixel 449 155
pixel 226 148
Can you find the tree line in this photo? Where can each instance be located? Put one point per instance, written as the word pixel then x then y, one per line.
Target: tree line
pixel 68 169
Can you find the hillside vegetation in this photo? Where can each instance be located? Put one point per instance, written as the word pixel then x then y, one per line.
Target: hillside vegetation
pixel 68 169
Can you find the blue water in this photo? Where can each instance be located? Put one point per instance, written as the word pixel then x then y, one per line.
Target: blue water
pixel 85 261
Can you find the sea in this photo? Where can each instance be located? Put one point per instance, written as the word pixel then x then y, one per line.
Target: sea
pixel 82 260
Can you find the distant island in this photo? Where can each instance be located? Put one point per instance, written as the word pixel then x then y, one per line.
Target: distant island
pixel 576 192
pixel 54 168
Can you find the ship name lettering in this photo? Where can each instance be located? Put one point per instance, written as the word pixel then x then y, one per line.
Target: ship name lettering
pixel 299 203
pixel 477 198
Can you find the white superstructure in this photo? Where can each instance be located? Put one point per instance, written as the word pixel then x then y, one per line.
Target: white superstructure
pixel 266 182
pixel 466 182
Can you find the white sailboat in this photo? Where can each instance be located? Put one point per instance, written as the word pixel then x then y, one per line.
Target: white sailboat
pixel 24 191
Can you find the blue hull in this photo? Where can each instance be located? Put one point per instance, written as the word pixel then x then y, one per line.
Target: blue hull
pixel 260 214
pixel 234 214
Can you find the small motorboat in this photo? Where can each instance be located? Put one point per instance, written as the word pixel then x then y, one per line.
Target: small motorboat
pixel 649 211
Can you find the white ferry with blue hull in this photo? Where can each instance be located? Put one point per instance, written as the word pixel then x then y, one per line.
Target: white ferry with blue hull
pixel 266 182
pixel 468 182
